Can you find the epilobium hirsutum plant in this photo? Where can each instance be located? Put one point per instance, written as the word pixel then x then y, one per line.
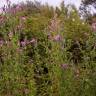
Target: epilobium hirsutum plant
pixel 46 51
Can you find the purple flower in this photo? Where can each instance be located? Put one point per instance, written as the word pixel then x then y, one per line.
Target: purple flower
pixel 64 66
pixel 57 38
pixel 23 43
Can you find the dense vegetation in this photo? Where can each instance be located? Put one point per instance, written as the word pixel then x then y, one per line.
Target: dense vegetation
pixel 46 51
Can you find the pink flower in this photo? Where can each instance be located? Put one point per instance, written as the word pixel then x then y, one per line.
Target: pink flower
pixel 64 66
pixel 57 38
pixel 23 43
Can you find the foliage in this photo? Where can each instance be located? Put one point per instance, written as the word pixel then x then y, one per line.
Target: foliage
pixel 46 51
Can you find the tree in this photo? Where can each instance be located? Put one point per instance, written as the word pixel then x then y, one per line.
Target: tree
pixel 86 8
pixel 89 2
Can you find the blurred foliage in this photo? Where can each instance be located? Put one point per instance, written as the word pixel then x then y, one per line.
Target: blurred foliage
pixel 46 51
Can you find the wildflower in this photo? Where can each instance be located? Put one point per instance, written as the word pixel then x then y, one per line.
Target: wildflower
pixel 22 43
pixel 54 24
pixel 64 66
pixel 57 38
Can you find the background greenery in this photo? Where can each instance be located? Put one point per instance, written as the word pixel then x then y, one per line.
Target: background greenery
pixel 46 51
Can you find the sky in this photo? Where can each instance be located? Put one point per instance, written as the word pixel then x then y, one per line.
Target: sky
pixel 51 2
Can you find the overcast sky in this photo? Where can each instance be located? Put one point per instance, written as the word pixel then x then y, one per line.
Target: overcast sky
pixel 51 2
